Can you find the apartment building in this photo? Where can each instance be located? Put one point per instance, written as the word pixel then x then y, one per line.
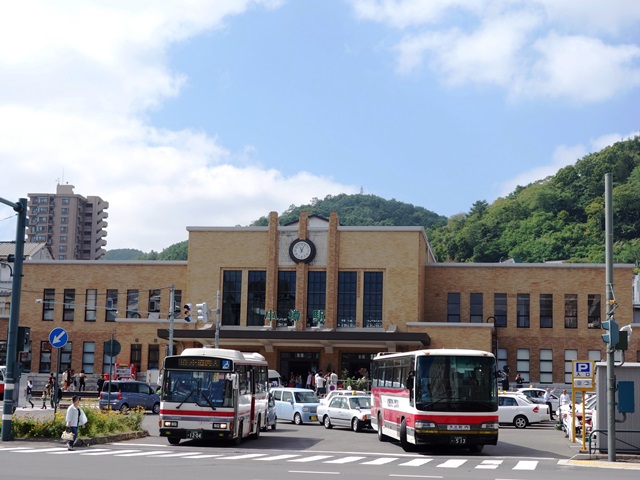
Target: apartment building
pixel 72 226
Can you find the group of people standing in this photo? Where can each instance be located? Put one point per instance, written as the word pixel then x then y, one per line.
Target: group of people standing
pixel 319 382
pixel 72 381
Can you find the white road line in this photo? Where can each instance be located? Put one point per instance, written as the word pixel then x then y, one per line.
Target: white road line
pixel 140 454
pixel 416 462
pixel 345 460
pixel 311 459
pixel 38 450
pixel 489 464
pixel 452 463
pixel 205 456
pixel 276 457
pixel 243 457
pixel 526 465
pixel 380 461
pixel 109 452
pixel 12 449
pixel 314 472
pixel 169 455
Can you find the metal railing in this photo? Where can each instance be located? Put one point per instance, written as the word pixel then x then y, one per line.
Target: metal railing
pixel 634 448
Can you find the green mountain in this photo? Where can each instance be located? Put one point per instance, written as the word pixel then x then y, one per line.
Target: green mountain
pixel 558 218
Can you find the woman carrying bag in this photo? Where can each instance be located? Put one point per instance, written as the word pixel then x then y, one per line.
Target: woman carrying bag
pixel 75 419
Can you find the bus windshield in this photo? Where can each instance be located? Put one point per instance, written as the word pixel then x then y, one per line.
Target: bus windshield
pixel 456 383
pixel 206 389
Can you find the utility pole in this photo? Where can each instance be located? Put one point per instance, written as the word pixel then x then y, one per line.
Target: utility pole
pixel 172 310
pixel 217 319
pixel 13 373
pixel 612 326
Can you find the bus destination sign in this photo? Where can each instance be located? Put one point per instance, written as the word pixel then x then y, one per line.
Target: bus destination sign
pixel 199 363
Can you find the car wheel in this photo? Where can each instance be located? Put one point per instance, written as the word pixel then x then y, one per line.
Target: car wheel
pixel 381 436
pixel 297 419
pixel 327 422
pixel 123 408
pixel 520 421
pixel 275 421
pixel 156 408
pixel 173 440
pixel 355 425
pixel 404 443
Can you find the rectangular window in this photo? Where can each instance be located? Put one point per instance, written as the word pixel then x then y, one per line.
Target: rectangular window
pixel 154 301
pixel 132 304
pixel 48 304
pixel 475 308
pixel 256 295
pixel 286 296
pixel 91 305
pixel 88 357
pixel 522 363
pixel 45 358
pixel 453 307
pixel 154 357
pixel 524 310
pixel 500 309
pixel 571 310
pixel 64 219
pixel 502 359
pixel 68 309
pixel 569 356
pixel 316 297
pixel 65 357
pixel 112 305
pixel 63 239
pixel 136 356
pixel 232 295
pixel 347 298
pixel 595 311
pixel 64 229
pixel 372 300
pixel 546 310
pixel 595 355
pixel 546 366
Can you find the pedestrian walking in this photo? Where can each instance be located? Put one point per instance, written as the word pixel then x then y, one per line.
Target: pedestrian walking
pixel 29 391
pixel 75 419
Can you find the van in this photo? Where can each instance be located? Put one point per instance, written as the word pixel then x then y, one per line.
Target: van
pixel 125 394
pixel 275 380
pixel 298 405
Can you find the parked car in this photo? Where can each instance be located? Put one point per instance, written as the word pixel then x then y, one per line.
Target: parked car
pixel 298 405
pixel 125 394
pixel 565 414
pixel 353 411
pixel 272 416
pixel 519 411
pixel 539 393
pixel 333 393
pixel 275 380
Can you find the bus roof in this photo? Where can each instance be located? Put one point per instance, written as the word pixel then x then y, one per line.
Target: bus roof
pixel 436 352
pixel 223 353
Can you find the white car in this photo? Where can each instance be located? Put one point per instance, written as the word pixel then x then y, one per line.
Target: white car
pixel 517 410
pixel 353 411
pixel 565 413
pixel 334 393
pixel 539 393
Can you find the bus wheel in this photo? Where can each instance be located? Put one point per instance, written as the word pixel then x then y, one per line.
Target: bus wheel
pixel 476 448
pixel 381 436
pixel 404 443
pixel 238 440
pixel 256 434
pixel 173 440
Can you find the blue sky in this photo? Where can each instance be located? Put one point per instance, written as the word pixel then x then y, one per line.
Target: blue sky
pixel 214 113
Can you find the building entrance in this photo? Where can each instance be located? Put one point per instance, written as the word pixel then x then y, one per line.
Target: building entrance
pixel 299 364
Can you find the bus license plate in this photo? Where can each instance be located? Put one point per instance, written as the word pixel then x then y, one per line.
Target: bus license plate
pixel 458 440
pixel 195 434
pixel 313 418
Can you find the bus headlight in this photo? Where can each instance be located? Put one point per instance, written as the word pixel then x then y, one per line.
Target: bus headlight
pixel 490 426
pixel 424 425
pixel 168 423
pixel 220 426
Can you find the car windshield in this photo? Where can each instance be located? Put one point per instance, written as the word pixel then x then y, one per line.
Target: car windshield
pixel 306 397
pixel 206 389
pixel 360 402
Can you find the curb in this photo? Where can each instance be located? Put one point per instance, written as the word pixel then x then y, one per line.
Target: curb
pixel 88 441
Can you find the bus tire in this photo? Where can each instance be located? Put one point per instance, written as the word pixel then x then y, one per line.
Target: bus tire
pixel 173 440
pixel 238 439
pixel 404 443
pixel 381 436
pixel 256 434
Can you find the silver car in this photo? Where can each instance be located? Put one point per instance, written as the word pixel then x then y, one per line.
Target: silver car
pixel 353 411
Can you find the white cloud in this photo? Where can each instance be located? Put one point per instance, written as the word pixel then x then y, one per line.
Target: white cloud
pixel 562 156
pixel 560 49
pixel 78 79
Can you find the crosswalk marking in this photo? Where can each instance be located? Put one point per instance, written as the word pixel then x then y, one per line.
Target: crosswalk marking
pixel 139 454
pixel 243 457
pixel 454 463
pixel 526 465
pixel 39 450
pixel 107 452
pixel 311 459
pixel 380 461
pixel 169 455
pixel 205 456
pixel 345 460
pixel 276 457
pixel 416 462
pixel 490 464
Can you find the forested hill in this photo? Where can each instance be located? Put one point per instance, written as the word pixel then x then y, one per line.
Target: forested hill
pixel 560 217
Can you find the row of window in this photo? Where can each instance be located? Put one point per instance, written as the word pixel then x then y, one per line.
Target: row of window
pixel 523 309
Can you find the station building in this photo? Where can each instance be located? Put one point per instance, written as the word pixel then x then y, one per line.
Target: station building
pixel 315 294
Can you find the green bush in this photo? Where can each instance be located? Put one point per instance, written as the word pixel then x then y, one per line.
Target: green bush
pixel 99 423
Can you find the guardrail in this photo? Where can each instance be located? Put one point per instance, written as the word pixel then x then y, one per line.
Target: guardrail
pixel 634 449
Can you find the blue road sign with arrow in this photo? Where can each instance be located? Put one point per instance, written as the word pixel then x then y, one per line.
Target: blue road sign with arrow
pixel 58 337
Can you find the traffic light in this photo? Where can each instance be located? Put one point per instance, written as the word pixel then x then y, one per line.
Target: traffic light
pixel 203 312
pixel 613 336
pixel 187 312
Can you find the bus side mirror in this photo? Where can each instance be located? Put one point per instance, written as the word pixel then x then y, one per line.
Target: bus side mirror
pixel 233 377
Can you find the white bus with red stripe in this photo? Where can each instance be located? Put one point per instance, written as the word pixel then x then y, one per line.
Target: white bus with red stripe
pixel 213 394
pixel 446 397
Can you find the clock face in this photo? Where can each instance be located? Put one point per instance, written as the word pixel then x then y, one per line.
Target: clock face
pixel 302 250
